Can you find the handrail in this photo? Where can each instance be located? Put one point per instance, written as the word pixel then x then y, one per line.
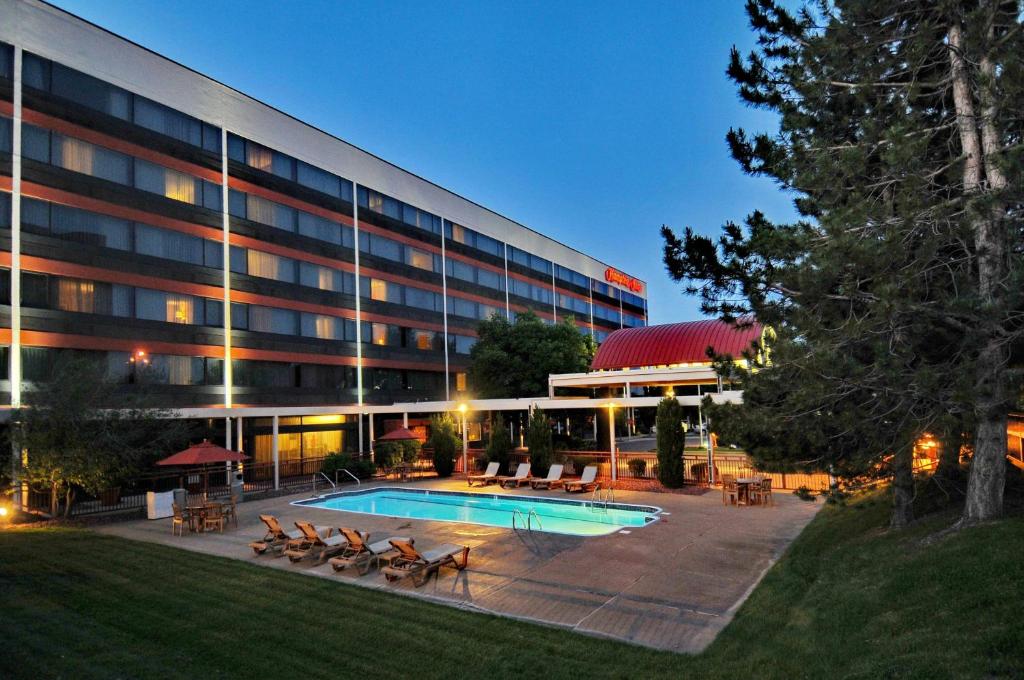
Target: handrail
pixel 529 518
pixel 517 512
pixel 345 470
pixel 321 474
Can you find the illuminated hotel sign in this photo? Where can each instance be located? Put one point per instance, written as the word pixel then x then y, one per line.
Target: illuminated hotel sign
pixel 617 277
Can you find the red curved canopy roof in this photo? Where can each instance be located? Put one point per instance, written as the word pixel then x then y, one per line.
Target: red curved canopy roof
pixel 674 343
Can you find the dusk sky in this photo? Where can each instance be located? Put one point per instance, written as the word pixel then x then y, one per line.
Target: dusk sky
pixel 590 124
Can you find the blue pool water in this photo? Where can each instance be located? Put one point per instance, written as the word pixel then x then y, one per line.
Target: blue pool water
pixel 559 516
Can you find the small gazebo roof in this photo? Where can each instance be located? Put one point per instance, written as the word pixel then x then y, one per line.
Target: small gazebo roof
pixel 398 435
pixel 203 453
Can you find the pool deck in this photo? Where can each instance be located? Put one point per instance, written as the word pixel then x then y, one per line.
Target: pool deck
pixel 673 584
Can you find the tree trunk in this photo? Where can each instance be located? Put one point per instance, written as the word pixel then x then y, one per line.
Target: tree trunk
pixel 950 442
pixel 902 488
pixel 69 501
pixel 988 466
pixel 980 146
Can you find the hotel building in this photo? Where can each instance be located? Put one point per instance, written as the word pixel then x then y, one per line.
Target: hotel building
pixel 180 230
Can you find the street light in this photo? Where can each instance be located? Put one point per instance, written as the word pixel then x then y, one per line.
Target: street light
pixel 463 407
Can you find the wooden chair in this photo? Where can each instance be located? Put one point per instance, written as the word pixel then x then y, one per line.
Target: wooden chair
pixel 181 519
pixel 762 493
pixel 730 490
pixel 214 517
pixel 231 511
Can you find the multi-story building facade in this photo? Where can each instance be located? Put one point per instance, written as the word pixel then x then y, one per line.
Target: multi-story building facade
pixel 163 222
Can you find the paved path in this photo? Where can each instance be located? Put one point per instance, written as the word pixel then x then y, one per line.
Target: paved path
pixel 671 585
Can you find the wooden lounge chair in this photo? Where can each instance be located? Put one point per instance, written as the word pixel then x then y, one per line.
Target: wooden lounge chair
pixel 276 537
pixel 412 562
pixel 553 479
pixel 214 517
pixel 361 554
pixel 314 544
pixel 489 475
pixel 522 476
pixel 585 482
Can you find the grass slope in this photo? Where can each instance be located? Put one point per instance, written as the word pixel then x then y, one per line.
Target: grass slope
pixel 848 600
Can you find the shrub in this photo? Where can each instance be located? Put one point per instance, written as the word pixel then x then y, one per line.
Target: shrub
pixel 445 441
pixel 360 467
pixel 391 453
pixel 671 443
pixel 538 440
pixel 637 466
pixel 499 449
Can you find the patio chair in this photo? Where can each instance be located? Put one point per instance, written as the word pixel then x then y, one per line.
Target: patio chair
pixel 762 493
pixel 730 490
pixel 360 554
pixel 419 565
pixel 522 476
pixel 489 475
pixel 230 510
pixel 182 518
pixel 276 537
pixel 313 544
pixel 585 482
pixel 553 479
pixel 214 517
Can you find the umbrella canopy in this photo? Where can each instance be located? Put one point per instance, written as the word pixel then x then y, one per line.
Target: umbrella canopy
pixel 401 434
pixel 203 453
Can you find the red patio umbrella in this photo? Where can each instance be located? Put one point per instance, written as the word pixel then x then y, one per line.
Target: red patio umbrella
pixel 400 434
pixel 204 453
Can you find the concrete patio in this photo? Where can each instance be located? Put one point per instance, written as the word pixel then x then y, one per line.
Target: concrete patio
pixel 671 585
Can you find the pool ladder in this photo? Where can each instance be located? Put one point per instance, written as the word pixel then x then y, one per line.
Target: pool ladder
pixel 599 499
pixel 527 520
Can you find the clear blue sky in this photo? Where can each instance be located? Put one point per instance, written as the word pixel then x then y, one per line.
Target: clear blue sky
pixel 592 122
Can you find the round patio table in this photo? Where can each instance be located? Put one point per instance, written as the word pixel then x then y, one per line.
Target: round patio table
pixel 199 512
pixel 743 488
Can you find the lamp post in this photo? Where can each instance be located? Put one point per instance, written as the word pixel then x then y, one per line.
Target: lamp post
pixel 465 439
pixel 611 440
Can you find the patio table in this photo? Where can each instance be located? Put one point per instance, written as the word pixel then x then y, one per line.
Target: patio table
pixel 199 512
pixel 743 487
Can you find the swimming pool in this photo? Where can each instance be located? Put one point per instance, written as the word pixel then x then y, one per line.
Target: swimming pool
pixel 552 515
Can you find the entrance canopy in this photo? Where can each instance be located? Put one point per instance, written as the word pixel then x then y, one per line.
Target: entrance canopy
pixel 673 345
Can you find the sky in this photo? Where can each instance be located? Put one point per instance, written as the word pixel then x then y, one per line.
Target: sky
pixel 591 122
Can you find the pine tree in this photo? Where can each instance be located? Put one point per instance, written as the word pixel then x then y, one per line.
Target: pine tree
pixel 896 297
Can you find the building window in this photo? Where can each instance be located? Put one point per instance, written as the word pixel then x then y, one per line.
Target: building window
pixel 424 340
pixel 378 290
pixel 380 334
pixel 420 259
pixel 76 296
pixel 180 309
pixel 460 382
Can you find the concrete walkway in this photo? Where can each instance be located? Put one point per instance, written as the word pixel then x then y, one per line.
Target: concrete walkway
pixel 671 585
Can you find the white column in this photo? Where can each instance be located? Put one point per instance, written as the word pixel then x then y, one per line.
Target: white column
pixel 359 309
pixel 360 416
pixel 226 266
pixel 508 307
pixel 611 439
pixel 274 454
pixel 229 447
pixel 238 434
pixel 444 311
pixel 17 455
pixel 465 446
pixel 595 425
pixel 371 438
pixel 405 420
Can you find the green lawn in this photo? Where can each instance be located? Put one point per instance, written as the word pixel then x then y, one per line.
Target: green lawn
pixel 848 600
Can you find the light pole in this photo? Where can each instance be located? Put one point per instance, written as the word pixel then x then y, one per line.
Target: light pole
pixel 465 439
pixel 611 440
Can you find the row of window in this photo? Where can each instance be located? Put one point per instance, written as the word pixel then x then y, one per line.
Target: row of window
pixel 571 276
pixel 84 226
pixel 530 261
pixel 395 209
pixel 575 304
pixel 6 134
pixel 389 249
pixel 6 61
pixel 474 239
pixel 607 314
pixel 521 288
pixel 287 218
pixel 631 320
pixel 478 275
pixel 77 155
pixel 96 94
pixel 267 160
pixel 473 310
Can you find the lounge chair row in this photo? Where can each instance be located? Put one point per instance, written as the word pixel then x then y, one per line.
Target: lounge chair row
pixel 350 548
pixel 586 482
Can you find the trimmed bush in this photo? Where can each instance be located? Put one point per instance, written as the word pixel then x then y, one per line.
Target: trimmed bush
pixel 445 441
pixel 671 443
pixel 390 454
pixel 538 440
pixel 637 466
pixel 499 449
pixel 335 462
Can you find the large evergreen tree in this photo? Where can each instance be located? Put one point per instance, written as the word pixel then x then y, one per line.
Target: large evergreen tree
pixel 896 298
pixel 514 359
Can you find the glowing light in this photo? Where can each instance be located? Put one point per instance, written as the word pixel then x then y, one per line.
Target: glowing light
pixel 3 511
pixel 463 408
